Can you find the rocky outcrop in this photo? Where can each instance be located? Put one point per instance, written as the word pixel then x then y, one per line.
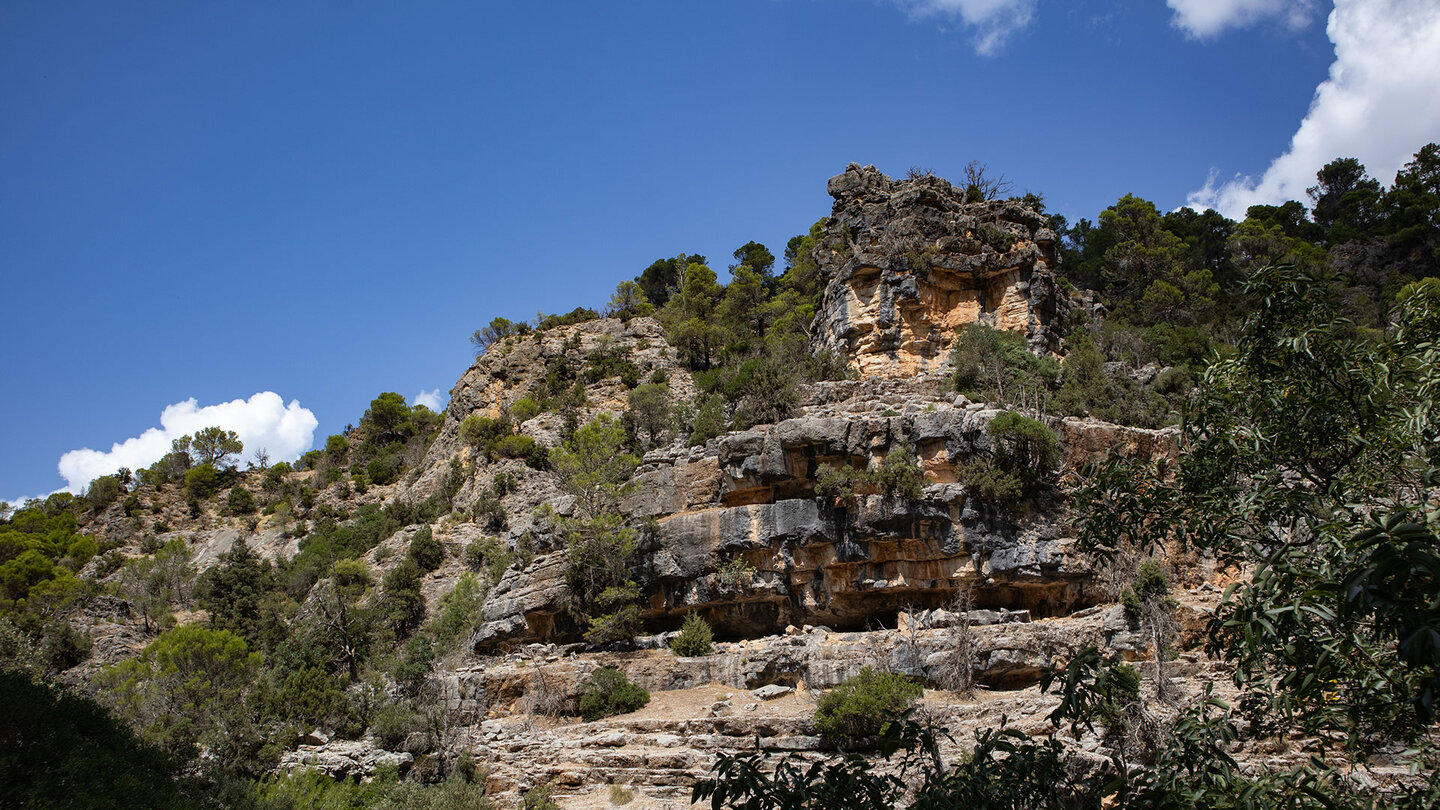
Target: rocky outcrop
pixel 522 366
pixel 908 262
pixel 736 531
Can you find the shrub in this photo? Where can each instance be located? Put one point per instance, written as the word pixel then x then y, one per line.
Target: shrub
pixel 491 556
pixel 538 798
pixel 384 469
pixel 1023 455
pixel 103 491
pixel 524 409
pixel 900 474
pixel 240 501
pixel 610 693
pixel 518 445
pixel 1118 687
pixel 481 432
pixel 695 637
pixel 201 481
pixel 709 420
pixel 392 724
pixel 862 706
pixel 425 550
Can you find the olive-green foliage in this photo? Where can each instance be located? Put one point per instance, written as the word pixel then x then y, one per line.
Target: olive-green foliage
pixel 861 707
pixel 310 696
pixel 233 591
pixel 201 481
pixel 412 668
pixel 628 302
pixel 1022 459
pixel 574 316
pixel 613 614
pixel 384 469
pixel 498 330
pixel 524 409
pixel 459 611
pixel 994 366
pixel 898 475
pixel 393 723
pixel 1118 688
pixel 62 751
pixel 401 601
pixel 709 419
pixel 598 575
pixel 491 556
pixel 496 438
pixel 331 540
pixel 103 491
pixel 523 447
pixel 1311 423
pixel 609 693
pixel 838 482
pixel 33 542
pixel 594 466
pixel 337 448
pixel 1088 389
pixel 240 501
pixel 425 550
pixel 186 689
pixel 613 362
pixel 215 446
pixel 539 798
pixel 650 410
pixel 695 637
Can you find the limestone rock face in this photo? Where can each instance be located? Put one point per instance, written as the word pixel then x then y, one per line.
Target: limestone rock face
pixel 908 262
pixel 737 532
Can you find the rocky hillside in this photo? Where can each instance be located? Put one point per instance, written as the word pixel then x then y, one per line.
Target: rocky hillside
pixel 436 594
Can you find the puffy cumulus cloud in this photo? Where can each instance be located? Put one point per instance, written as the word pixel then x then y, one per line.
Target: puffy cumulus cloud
pixel 431 399
pixel 1378 105
pixel 263 421
pixel 1206 18
pixel 993 21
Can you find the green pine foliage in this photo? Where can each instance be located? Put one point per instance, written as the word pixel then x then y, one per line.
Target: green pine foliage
pixel 695 637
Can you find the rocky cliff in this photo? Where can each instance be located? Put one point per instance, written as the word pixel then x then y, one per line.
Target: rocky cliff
pixel 745 503
pixel 907 262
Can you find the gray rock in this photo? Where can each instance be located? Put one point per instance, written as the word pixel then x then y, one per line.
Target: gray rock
pixel 772 691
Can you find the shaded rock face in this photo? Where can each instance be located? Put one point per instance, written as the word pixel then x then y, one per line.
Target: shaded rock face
pixel 908 262
pixel 737 532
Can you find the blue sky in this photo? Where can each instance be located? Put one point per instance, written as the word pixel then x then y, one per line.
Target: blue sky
pixel 323 200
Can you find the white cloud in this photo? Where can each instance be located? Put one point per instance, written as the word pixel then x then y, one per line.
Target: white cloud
pixel 431 399
pixel 992 20
pixel 1206 18
pixel 263 421
pixel 1379 105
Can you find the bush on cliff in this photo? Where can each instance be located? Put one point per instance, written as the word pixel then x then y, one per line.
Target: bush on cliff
pixel 863 706
pixel 611 693
pixel 695 637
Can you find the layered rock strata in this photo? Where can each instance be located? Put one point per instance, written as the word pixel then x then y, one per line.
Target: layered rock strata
pixel 736 531
pixel 908 262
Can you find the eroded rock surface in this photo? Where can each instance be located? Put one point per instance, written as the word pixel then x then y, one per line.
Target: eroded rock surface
pixel 908 262
pixel 738 533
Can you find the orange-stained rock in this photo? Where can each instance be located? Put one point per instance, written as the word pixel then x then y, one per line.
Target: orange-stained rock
pixel 909 262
